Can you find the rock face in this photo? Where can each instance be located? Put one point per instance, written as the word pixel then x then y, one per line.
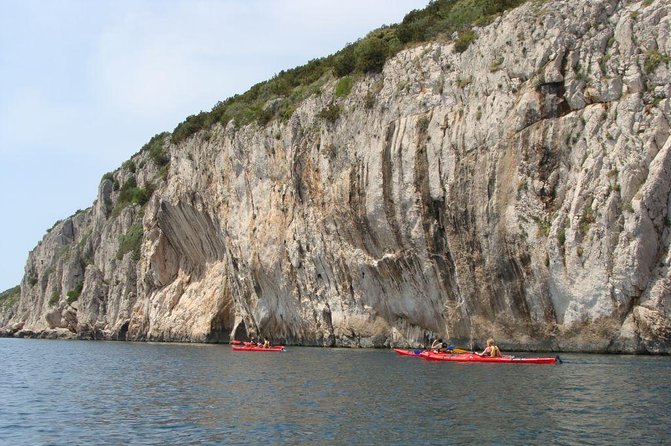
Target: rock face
pixel 520 190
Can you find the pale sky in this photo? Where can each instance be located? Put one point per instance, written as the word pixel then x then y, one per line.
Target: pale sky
pixel 85 84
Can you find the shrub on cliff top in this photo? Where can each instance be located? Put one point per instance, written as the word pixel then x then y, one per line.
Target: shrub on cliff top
pixel 371 53
pixel 110 176
pixel 129 165
pixel 156 150
pixel 344 61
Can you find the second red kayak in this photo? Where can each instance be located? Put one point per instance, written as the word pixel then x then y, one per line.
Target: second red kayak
pixel 471 357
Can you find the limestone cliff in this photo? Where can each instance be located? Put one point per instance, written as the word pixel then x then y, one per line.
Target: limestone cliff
pixel 520 190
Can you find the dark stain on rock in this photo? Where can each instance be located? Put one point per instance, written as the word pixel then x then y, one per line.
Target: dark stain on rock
pixel 433 218
pixel 553 103
pixel 362 231
pixel 123 331
pixel 387 184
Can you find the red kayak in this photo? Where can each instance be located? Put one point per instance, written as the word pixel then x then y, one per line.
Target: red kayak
pixel 471 357
pixel 251 348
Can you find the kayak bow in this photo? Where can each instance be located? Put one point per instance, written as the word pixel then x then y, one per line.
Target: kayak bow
pixel 404 352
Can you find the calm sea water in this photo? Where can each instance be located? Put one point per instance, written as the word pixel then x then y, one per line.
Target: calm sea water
pixel 84 392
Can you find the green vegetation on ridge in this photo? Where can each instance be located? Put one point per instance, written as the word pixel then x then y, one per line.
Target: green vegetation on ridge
pixel 132 194
pixel 8 298
pixel 156 149
pixel 440 19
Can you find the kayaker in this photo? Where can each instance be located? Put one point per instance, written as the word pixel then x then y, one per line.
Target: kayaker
pixel 491 350
pixel 439 346
pixel 266 342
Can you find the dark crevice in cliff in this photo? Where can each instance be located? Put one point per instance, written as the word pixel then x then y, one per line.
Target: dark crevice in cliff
pixel 462 235
pixel 387 184
pixel 510 285
pixel 327 319
pixel 123 331
pixel 297 172
pixel 433 219
pixel 541 159
pixel 240 332
pixel 223 321
pixel 361 232
pixel 554 105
